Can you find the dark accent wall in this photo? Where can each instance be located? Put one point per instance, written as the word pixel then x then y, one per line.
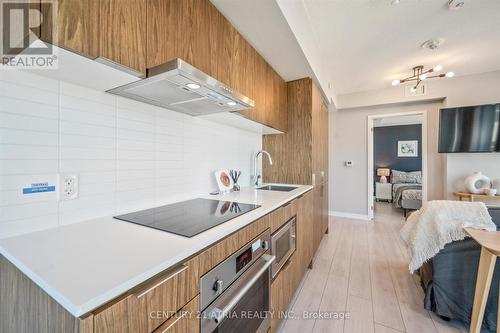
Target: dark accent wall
pixel 385 148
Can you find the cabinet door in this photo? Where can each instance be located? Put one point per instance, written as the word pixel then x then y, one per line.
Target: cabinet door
pixel 318 216
pixel 192 30
pixel 305 230
pixel 166 293
pixel 184 321
pixel 122 35
pixel 324 207
pixel 282 289
pixel 72 25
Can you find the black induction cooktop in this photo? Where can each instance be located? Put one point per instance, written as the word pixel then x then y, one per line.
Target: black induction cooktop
pixel 188 218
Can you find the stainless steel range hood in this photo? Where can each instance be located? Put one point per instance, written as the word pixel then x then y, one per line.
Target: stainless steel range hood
pixel 180 87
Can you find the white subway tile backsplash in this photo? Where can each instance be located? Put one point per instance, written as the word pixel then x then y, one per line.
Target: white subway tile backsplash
pixel 28 108
pixel 24 137
pixel 28 123
pixel 128 155
pixel 26 167
pixel 83 117
pixel 86 94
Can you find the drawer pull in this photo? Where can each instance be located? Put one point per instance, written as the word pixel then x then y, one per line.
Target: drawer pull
pixel 174 322
pixel 177 271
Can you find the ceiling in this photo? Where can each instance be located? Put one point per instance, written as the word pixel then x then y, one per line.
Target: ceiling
pixel 263 25
pixel 365 44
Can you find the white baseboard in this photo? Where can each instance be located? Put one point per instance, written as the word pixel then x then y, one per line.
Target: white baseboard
pixel 349 215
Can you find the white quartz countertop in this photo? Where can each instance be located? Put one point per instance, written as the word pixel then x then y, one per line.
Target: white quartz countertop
pixel 85 265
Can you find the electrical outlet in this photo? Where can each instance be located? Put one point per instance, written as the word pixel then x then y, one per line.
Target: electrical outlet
pixel 68 187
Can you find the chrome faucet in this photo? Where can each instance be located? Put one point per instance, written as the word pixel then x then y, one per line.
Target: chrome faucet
pixel 258 175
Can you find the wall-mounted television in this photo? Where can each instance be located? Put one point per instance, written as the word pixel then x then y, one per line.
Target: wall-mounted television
pixel 470 129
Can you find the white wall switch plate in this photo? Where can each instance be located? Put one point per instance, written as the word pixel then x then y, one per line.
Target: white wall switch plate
pixel 348 164
pixel 68 187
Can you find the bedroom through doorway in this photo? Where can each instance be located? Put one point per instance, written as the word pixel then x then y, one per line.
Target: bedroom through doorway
pixel 397 153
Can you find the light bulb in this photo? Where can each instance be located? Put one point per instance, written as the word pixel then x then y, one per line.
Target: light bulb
pixel 438 68
pixel 193 85
pixel 413 89
pixel 423 77
pixel 450 74
pixel 396 82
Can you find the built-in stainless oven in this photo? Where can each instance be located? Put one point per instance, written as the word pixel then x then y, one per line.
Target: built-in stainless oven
pixel 283 244
pixel 235 295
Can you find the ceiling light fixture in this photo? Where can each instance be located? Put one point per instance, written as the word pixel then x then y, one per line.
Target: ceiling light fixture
pixel 419 74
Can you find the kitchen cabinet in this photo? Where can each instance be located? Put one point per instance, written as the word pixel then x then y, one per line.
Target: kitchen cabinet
pixel 122 33
pixel 135 35
pixel 172 296
pixel 195 31
pixel 167 293
pixel 300 156
pixel 184 321
pixel 72 25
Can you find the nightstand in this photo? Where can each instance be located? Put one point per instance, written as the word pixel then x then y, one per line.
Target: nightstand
pixel 383 191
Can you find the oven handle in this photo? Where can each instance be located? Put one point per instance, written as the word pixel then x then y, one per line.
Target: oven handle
pixel 218 315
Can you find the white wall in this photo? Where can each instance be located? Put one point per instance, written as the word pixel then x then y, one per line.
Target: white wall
pixel 446 171
pixel 128 155
pixel 349 141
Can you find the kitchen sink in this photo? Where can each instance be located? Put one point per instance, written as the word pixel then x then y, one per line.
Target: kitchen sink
pixel 277 188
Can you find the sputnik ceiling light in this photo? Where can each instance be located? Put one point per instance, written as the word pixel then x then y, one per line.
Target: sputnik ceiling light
pixel 419 75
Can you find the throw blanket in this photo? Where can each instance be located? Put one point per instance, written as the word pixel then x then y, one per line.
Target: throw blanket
pixel 398 190
pixel 438 223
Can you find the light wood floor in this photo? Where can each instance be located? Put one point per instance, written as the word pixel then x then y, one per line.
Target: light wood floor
pixel 361 269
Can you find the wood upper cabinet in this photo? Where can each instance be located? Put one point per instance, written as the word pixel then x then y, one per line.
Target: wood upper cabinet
pixel 195 31
pixel 72 25
pixel 122 32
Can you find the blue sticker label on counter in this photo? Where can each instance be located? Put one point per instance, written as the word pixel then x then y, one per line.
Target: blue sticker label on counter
pixel 39 188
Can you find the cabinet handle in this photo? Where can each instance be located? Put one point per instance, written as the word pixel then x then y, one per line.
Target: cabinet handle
pixel 286 265
pixel 176 271
pixel 174 322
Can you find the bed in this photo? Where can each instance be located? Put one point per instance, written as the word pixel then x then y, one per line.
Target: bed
pixel 406 190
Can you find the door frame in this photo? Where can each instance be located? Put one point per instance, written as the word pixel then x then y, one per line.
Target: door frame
pixel 371 119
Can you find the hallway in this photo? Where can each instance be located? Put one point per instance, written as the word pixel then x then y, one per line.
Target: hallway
pixel 361 269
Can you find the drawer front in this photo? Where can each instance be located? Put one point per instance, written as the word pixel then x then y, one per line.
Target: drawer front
pixel 152 303
pixel 215 254
pixel 186 320
pixel 281 215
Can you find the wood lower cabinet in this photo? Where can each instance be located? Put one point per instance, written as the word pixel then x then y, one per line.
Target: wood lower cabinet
pixel 72 25
pixel 168 302
pixel 165 294
pixel 184 321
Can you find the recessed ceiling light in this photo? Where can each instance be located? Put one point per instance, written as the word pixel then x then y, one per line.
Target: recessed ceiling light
pixel 231 103
pixel 193 85
pixel 395 2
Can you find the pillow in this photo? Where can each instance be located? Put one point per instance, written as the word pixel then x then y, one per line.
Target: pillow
pixel 414 177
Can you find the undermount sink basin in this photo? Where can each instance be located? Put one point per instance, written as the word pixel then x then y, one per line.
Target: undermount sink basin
pixel 277 188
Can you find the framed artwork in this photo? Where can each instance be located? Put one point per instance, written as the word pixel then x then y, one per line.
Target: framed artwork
pixel 224 181
pixel 408 148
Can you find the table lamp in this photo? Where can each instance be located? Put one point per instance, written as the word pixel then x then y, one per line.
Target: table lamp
pixel 383 173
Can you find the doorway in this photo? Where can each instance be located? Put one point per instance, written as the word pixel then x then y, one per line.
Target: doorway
pixel 397 162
